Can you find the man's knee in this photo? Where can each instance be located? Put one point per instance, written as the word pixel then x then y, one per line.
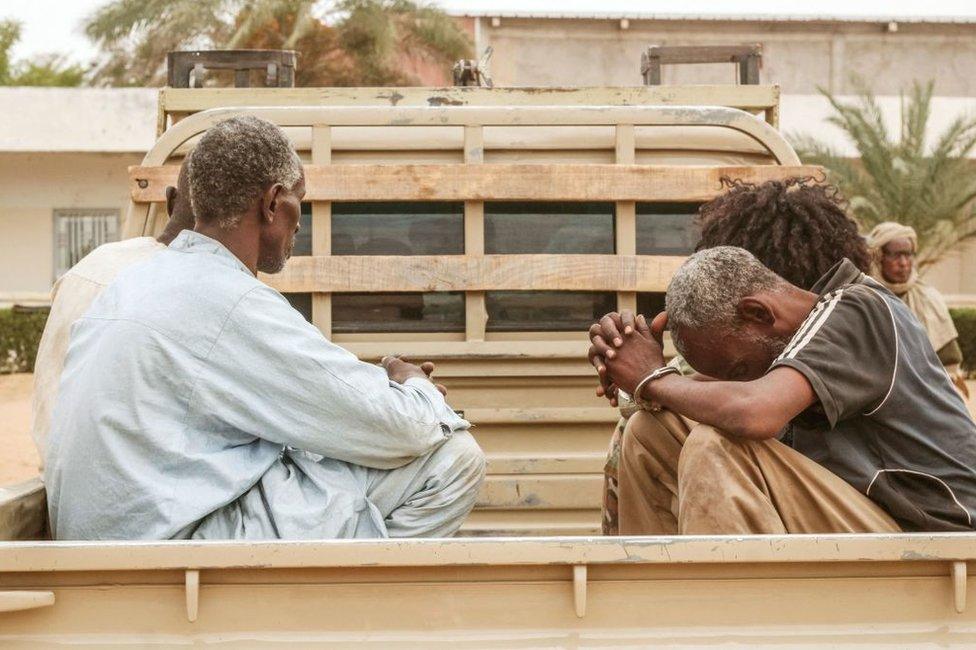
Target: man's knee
pixel 646 432
pixel 465 454
pixel 641 431
pixel 704 447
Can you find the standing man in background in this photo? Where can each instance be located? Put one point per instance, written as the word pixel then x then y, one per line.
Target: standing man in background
pixel 894 247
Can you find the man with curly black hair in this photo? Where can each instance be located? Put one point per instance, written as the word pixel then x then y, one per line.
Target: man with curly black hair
pixel 797 227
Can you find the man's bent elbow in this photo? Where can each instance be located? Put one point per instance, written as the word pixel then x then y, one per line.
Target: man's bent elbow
pixel 745 420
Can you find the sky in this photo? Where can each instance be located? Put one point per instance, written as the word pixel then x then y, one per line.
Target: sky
pixel 54 25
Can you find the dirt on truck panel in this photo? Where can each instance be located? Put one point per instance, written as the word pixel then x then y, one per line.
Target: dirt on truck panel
pixel 548 207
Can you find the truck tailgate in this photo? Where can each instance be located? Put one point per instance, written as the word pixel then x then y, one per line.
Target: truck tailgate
pixel 765 591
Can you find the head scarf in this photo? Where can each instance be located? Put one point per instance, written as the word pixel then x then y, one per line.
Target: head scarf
pixel 923 300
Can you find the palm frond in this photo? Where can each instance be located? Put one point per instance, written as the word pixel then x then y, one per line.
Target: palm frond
pixel 931 188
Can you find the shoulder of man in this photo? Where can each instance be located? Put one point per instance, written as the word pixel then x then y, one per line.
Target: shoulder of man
pixel 847 350
pixel 851 311
pixel 102 264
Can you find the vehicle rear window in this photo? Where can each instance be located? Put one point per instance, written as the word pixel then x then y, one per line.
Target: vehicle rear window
pixel 547 228
pixel 667 228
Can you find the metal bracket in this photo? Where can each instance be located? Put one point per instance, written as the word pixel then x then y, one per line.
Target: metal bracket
pixel 579 589
pixel 192 594
pixel 959 576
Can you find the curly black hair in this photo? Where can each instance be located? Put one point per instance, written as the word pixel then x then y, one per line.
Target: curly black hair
pixel 797 227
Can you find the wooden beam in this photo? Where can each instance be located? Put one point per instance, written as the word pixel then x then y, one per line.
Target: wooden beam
pixel 501 182
pixel 200 99
pixel 475 311
pixel 625 230
pixel 322 228
pixel 383 273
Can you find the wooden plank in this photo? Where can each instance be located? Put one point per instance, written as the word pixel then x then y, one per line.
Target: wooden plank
pixel 703 53
pixel 531 523
pixel 579 415
pixel 385 273
pixel 625 231
pixel 547 463
pixel 475 312
pixel 199 99
pixel 518 351
pixel 322 228
pixel 899 550
pixel 543 491
pixel 501 182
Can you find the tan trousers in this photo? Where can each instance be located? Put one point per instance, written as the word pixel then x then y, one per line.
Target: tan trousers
pixel 672 480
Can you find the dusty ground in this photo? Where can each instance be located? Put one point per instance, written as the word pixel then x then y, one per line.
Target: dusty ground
pixel 19 460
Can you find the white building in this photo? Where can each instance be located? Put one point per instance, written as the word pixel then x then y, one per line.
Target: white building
pixel 64 152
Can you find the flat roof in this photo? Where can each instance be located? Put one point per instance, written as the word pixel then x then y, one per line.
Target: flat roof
pixel 104 120
pixel 721 17
pixel 123 120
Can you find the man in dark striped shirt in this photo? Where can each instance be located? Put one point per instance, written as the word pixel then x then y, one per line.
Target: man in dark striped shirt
pixel 879 440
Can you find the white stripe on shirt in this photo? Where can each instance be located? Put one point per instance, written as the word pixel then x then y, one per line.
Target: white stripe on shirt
pixel 829 302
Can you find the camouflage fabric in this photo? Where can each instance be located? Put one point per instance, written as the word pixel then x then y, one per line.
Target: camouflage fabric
pixel 610 526
pixel 610 487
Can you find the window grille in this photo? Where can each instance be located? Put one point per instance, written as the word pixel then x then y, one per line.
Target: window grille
pixel 79 232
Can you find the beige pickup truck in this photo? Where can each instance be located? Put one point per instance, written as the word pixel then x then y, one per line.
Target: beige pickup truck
pixel 484 229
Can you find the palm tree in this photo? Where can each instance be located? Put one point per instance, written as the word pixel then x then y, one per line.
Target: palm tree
pixel 44 70
pixel 346 42
pixel 929 187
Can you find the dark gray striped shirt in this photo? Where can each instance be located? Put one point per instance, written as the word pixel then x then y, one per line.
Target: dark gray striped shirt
pixel 888 420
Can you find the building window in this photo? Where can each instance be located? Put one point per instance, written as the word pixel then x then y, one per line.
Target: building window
pixel 79 232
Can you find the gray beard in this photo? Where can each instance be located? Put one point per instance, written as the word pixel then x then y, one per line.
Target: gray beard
pixel 271 266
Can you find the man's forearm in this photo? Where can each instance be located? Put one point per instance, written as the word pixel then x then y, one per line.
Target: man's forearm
pixel 716 403
pixel 730 406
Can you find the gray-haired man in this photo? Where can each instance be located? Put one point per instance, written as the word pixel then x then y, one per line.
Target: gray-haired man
pixel 877 439
pixel 196 403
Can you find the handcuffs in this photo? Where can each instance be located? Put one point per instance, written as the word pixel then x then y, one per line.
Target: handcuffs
pixel 643 404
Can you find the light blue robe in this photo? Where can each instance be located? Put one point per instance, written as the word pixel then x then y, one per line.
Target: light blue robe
pixel 195 402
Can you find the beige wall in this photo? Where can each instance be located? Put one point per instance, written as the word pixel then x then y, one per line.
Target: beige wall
pixel 32 186
pixel 800 56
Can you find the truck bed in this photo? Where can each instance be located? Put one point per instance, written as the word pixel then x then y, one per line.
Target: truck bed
pixel 765 591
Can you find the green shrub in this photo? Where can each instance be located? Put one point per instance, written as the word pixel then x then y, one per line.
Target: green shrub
pixel 20 334
pixel 965 320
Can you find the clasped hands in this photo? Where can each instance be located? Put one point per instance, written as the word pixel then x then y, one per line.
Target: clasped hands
pixel 624 348
pixel 398 369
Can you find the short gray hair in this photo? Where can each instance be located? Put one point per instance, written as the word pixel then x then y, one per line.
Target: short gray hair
pixel 234 162
pixel 707 288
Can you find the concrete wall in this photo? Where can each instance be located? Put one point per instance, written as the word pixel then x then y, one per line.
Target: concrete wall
pixel 32 186
pixel 800 56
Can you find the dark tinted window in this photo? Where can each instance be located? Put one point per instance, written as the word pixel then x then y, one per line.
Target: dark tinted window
pixel 397 228
pixel 303 246
pixel 517 311
pixel 397 312
pixel 667 228
pixel 650 304
pixel 550 228
pixel 302 302
pixel 303 240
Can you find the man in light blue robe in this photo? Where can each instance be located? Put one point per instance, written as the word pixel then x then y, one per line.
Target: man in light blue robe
pixel 196 403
